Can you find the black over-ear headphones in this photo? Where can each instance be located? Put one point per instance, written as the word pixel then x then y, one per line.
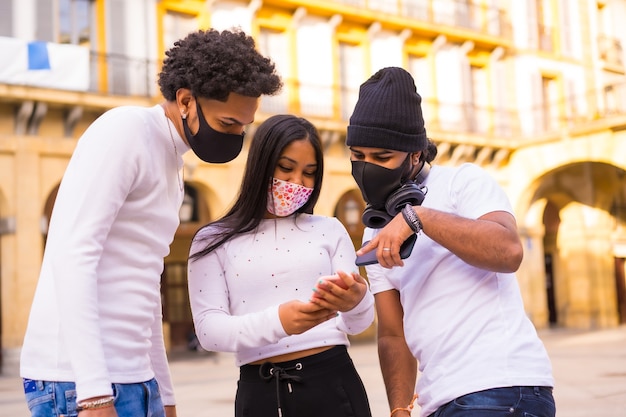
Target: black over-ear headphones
pixel 410 192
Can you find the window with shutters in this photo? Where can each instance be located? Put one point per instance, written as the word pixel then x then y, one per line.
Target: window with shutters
pixel 275 44
pixel 477 102
pixel 541 31
pixel 117 59
pixel 63 21
pixel 75 18
pixel 177 25
pixel 549 108
pixel 351 76
pixel 545 27
pixel 6 18
pixel 567 31
pixel 419 67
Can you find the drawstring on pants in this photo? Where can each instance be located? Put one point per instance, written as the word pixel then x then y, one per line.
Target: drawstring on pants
pixel 268 370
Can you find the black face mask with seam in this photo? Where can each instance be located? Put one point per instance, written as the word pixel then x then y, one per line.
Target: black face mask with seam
pixel 210 145
pixel 376 182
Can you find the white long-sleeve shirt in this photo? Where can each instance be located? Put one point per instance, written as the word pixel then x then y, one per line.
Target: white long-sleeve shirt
pixel 235 291
pixel 96 315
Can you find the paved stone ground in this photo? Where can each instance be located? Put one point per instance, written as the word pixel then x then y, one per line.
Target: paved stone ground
pixel 589 367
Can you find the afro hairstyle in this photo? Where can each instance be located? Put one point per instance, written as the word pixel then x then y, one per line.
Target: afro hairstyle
pixel 213 64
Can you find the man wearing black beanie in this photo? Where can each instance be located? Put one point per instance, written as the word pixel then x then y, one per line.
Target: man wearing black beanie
pixel 454 305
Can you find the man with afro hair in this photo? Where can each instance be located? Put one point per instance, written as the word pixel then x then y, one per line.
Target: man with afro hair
pixel 94 343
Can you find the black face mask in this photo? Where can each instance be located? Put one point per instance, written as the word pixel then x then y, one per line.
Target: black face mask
pixel 377 183
pixel 209 144
pixel 386 190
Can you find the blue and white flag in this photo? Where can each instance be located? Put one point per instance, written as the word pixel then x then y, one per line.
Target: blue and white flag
pixel 44 64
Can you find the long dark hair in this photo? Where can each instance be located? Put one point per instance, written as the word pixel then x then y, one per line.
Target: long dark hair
pixel 271 138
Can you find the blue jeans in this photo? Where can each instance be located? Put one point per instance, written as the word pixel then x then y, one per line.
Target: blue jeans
pixel 497 402
pixel 58 399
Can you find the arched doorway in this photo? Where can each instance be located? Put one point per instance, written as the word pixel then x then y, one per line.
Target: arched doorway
pixel 7 225
pixel 580 224
pixel 47 212
pixel 194 212
pixel 349 210
pixel 618 211
pixel 620 286
pixel 551 222
pixel 177 321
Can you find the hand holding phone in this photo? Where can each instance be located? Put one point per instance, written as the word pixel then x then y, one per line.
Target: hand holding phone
pixel 346 291
pixel 335 279
pixel 370 257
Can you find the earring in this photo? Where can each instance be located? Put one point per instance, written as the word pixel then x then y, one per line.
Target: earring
pixel 183 115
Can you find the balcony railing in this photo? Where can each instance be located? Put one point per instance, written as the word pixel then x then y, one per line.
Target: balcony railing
pixel 336 104
pixel 118 74
pixel 468 15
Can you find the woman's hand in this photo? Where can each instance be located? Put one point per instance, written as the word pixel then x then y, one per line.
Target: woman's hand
pixel 298 317
pixel 340 292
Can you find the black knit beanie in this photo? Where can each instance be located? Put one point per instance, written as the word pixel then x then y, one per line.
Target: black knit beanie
pixel 388 114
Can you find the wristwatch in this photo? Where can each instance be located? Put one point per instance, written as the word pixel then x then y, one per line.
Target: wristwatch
pixel 411 218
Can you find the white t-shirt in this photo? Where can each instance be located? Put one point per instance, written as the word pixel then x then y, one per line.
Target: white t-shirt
pixel 96 315
pixel 466 326
pixel 235 290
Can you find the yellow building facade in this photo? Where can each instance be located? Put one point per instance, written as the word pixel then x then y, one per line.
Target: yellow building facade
pixel 534 92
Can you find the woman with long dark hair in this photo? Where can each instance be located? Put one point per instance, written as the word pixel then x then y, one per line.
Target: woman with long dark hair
pixel 272 282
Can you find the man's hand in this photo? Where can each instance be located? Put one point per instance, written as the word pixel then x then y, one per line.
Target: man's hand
pixel 490 242
pixel 388 241
pixel 170 411
pixel 99 412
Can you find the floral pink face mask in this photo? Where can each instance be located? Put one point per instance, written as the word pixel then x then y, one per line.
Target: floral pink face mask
pixel 285 197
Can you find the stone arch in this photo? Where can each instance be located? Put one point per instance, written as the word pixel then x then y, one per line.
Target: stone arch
pixel 568 223
pixel 348 210
pixel 200 202
pixel 47 210
pixel 5 227
pixel 210 203
pixel 533 162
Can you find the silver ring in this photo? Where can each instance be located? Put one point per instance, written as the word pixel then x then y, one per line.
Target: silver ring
pixel 386 249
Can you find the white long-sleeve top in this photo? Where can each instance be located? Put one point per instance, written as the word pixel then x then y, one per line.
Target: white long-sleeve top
pixel 235 290
pixel 96 315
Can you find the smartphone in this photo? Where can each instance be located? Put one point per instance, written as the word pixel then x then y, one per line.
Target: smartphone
pixel 335 279
pixel 370 257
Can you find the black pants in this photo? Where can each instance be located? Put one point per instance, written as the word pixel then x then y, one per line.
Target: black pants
pixel 325 384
